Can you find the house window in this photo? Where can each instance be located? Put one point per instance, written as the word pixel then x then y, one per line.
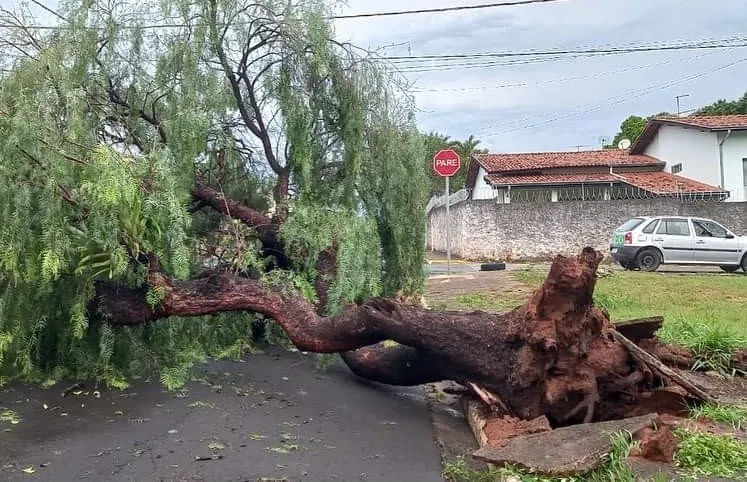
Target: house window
pixel 677 168
pixel 744 171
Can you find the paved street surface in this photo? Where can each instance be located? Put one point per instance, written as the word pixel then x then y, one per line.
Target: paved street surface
pixel 275 417
pixel 437 265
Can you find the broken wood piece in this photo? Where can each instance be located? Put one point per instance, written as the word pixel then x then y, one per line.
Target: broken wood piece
pixel 640 328
pixel 477 416
pixel 490 398
pixel 656 365
pixel 565 451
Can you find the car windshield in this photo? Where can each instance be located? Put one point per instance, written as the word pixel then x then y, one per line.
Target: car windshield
pixel 630 224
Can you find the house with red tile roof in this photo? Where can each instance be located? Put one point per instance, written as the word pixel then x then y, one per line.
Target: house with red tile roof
pixel 711 149
pixel 692 157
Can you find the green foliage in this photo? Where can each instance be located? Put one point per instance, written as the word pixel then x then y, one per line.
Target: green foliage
pixel 734 416
pixel 9 416
pixel 725 107
pixel 631 129
pixel 396 200
pixel 104 134
pixel 711 455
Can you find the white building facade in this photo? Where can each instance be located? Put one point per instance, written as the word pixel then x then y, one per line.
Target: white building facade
pixel 710 149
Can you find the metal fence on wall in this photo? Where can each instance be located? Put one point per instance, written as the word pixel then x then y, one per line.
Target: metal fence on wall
pixel 438 201
pixel 603 193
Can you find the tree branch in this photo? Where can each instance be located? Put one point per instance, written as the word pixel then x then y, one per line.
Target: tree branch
pixel 253 123
pixel 65 193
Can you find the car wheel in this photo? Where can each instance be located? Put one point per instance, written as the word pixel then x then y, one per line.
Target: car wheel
pixel 493 267
pixel 729 269
pixel 648 260
pixel 744 264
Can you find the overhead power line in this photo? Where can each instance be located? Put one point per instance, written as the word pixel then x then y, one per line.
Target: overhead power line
pixel 733 42
pixel 634 94
pixel 562 79
pixel 513 3
pixel 441 10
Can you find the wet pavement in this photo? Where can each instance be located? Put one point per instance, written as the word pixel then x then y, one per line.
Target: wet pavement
pixel 275 417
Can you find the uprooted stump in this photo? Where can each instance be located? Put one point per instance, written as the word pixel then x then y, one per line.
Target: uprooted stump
pixel 555 356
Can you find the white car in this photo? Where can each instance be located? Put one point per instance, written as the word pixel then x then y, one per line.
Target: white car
pixel 647 242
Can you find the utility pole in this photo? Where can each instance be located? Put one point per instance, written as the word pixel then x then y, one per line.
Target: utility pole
pixel 679 111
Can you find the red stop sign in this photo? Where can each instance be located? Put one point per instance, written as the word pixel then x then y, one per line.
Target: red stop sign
pixel 446 162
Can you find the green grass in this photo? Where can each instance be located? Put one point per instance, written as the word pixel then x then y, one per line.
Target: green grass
pixel 736 417
pixel 703 312
pixel 710 455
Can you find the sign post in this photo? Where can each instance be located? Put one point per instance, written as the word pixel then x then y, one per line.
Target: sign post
pixel 446 163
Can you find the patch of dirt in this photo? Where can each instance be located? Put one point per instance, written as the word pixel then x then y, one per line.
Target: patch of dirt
pixel 671 400
pixel 500 430
pixel 657 444
pixel 672 355
pixel 441 289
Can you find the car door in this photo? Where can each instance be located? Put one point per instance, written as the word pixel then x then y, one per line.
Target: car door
pixel 714 244
pixel 675 240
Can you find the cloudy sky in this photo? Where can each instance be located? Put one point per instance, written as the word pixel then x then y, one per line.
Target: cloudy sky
pixel 558 104
pixel 566 103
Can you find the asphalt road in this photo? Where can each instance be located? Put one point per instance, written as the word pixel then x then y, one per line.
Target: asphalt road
pixel 274 417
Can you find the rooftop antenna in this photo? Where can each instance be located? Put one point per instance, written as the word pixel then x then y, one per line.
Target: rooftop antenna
pixel 679 112
pixel 624 144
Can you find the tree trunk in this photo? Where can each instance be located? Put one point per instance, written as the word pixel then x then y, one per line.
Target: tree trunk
pixel 554 356
pixel 281 194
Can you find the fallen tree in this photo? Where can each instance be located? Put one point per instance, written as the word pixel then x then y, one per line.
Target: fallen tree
pixel 130 196
pixel 558 355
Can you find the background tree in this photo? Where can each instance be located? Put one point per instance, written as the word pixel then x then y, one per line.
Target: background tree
pixel 239 142
pixel 631 128
pixel 724 107
pixel 434 142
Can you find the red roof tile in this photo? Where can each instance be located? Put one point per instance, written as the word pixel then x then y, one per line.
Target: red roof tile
pixel 666 183
pixel 497 163
pixel 708 121
pixel 551 179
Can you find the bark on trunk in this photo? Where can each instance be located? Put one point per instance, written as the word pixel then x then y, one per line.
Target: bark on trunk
pixel 554 356
pixel 282 191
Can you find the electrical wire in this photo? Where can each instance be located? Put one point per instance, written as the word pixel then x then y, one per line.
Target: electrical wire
pixel 563 79
pixel 513 3
pixel 648 47
pixel 441 10
pixel 637 93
